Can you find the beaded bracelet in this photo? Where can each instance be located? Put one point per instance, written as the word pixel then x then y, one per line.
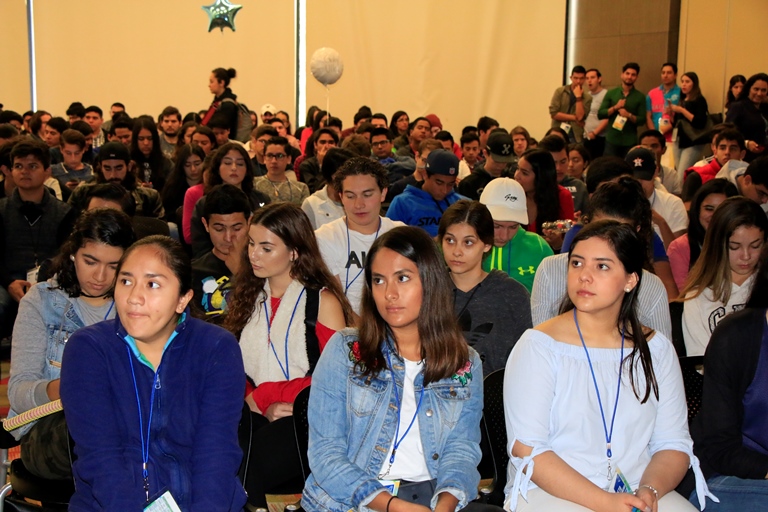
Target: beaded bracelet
pixel 655 492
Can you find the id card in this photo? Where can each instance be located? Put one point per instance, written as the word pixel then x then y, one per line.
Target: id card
pixel 619 122
pixel 32 275
pixel 620 484
pixel 165 503
pixel 566 127
pixel 391 485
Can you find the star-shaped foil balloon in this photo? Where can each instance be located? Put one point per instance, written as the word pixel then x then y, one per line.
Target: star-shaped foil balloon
pixel 221 14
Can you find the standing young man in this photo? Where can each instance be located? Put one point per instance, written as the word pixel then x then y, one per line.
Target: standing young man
pixel 660 98
pixel 344 243
pixel 275 184
pixel 594 128
pixel 624 107
pixel 570 104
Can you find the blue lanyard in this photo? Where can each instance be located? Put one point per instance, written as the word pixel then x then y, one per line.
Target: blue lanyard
pixel 608 434
pixel 144 445
pixel 110 309
pixel 285 369
pixel 349 252
pixel 397 442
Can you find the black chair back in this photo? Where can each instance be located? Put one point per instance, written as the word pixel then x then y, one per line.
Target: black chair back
pixel 301 426
pixel 146 226
pixel 693 382
pixel 676 315
pixel 496 431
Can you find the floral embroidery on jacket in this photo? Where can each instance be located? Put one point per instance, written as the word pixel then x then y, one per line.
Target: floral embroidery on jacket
pixel 464 375
pixel 354 351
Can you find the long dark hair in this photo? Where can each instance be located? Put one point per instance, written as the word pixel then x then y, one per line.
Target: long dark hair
pixel 311 116
pixel 735 79
pixel 744 96
pixel 155 158
pixel 289 222
pixel 393 122
pixel 171 253
pixel 695 90
pixel 696 231
pixel 176 185
pixel 625 200
pixel 629 250
pixel 213 176
pixel 101 226
pixel 546 193
pixel 319 115
pixel 713 268
pixel 443 347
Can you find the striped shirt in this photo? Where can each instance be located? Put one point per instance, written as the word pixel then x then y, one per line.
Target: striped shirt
pixel 549 288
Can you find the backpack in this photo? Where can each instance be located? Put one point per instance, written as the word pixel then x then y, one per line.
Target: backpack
pixel 244 123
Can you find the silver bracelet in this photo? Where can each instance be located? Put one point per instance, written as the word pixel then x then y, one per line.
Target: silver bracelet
pixel 655 492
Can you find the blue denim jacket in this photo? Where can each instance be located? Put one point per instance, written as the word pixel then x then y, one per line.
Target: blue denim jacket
pixel 352 421
pixel 43 308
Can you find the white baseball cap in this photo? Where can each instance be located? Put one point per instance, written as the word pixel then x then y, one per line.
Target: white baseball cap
pixel 268 107
pixel 505 199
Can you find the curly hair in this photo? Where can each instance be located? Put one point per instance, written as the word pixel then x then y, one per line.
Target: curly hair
pixel 103 226
pixel 289 222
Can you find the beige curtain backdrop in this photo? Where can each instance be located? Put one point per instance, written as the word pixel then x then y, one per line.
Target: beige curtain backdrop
pixel 459 59
pixel 150 53
pixel 14 56
pixel 719 39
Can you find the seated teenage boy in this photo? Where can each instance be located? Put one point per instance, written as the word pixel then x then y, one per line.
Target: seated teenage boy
pixel 72 170
pixel 225 216
pixel 515 251
pixel 423 205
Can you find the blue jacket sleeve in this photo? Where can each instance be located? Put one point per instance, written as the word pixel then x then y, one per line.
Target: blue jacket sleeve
pixel 214 479
pixel 93 421
pixel 394 211
pixel 329 431
pixel 457 472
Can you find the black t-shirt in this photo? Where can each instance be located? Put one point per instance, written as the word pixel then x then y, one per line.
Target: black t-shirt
pixel 211 284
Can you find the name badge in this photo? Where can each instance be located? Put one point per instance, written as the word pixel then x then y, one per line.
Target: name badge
pixel 391 485
pixel 165 503
pixel 619 122
pixel 32 275
pixel 620 484
pixel 566 127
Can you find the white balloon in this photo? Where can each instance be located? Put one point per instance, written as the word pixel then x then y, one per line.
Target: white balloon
pixel 326 66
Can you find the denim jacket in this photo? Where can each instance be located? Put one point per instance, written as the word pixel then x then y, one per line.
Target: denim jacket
pixel 47 318
pixel 352 421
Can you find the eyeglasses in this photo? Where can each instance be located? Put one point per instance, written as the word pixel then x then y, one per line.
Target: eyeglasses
pixel 273 156
pixel 380 143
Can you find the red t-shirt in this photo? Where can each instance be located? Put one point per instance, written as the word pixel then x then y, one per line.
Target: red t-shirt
pixel 565 210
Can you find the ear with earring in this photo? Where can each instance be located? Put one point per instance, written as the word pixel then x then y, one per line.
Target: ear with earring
pixel 627 290
pixel 72 257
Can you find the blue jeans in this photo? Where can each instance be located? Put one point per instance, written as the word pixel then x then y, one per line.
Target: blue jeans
pixel 735 494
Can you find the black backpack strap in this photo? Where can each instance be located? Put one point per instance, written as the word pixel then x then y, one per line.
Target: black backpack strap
pixel 310 323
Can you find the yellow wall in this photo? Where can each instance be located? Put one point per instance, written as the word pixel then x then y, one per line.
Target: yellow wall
pixel 14 56
pixel 459 59
pixel 150 53
pixel 721 38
